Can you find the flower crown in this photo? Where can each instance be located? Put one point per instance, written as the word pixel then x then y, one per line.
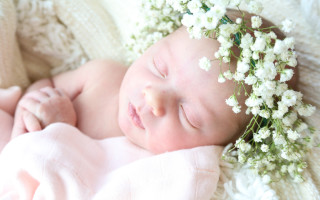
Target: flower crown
pixel 276 139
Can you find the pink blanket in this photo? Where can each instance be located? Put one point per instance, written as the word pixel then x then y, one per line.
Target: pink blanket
pixel 60 163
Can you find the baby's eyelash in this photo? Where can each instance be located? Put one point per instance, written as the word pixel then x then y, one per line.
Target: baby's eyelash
pixel 156 67
pixel 186 117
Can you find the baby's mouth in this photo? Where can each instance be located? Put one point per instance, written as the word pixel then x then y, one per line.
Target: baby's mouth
pixel 134 116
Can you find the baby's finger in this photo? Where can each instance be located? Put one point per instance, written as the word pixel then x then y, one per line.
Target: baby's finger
pixel 51 92
pixel 31 122
pixel 37 96
pixel 30 105
pixel 61 92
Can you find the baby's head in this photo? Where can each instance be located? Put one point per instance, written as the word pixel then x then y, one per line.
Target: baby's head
pixel 168 103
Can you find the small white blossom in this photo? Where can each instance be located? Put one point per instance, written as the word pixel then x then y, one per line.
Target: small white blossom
pixel 195 32
pixel 279 47
pixel 306 110
pixel 255 7
pixel 272 35
pixel 228 75
pixel 246 41
pixel 255 110
pixel 287 26
pixel 236 109
pixel 290 119
pixel 245 147
pixel 264 133
pixel 289 42
pixel 265 114
pixel 227 29
pixel 253 101
pixel 293 135
pixel 209 20
pixel 242 67
pixel 232 101
pixel 302 126
pixel 266 72
pixel 250 79
pixel 292 61
pixel 247 53
pixel 281 88
pixel 256 21
pixel 239 76
pixel 221 78
pixel 257 137
pixel 194 6
pixel 286 75
pixel 188 20
pixel 264 148
pixel 238 20
pixel 259 44
pixel 289 98
pixel 205 63
pixel 218 11
pixel 278 139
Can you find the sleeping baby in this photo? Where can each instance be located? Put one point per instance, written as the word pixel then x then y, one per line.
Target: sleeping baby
pixel 163 102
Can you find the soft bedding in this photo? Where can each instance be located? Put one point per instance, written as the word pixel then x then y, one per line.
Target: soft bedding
pixel 60 162
pixel 59 35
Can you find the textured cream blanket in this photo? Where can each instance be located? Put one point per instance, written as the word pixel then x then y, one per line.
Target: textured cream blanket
pixel 58 35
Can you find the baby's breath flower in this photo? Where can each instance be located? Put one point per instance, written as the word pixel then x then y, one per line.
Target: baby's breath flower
pixel 287 26
pixel 306 110
pixel 221 78
pixel 289 119
pixel 210 20
pixel 205 63
pixel 232 101
pixel 188 20
pixel 265 114
pixel 264 148
pixel 259 44
pixel 302 126
pixel 228 75
pixel 194 6
pixel 245 147
pixel 218 11
pixel 246 41
pixel 293 135
pixel 238 76
pixel 286 75
pixel 255 7
pixel 256 21
pixel 236 109
pixel 238 20
pixel 279 47
pixel 278 139
pixel 257 137
pixel 264 132
pixel 242 67
pixel 250 79
pixel 289 98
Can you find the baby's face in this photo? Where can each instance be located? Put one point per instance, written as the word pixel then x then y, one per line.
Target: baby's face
pixel 168 103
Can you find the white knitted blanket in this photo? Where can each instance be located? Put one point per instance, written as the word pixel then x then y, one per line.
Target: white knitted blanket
pixel 59 35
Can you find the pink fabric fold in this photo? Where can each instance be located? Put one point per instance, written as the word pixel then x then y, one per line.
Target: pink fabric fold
pixel 60 162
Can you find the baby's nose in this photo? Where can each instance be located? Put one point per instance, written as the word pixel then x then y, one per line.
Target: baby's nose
pixel 155 100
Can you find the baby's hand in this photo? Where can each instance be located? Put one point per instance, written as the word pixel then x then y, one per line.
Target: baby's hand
pixel 49 105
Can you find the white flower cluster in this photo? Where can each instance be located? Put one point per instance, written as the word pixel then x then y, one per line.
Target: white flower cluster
pixel 277 138
pixel 159 20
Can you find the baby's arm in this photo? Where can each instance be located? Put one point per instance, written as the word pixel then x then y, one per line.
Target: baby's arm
pixel 72 83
